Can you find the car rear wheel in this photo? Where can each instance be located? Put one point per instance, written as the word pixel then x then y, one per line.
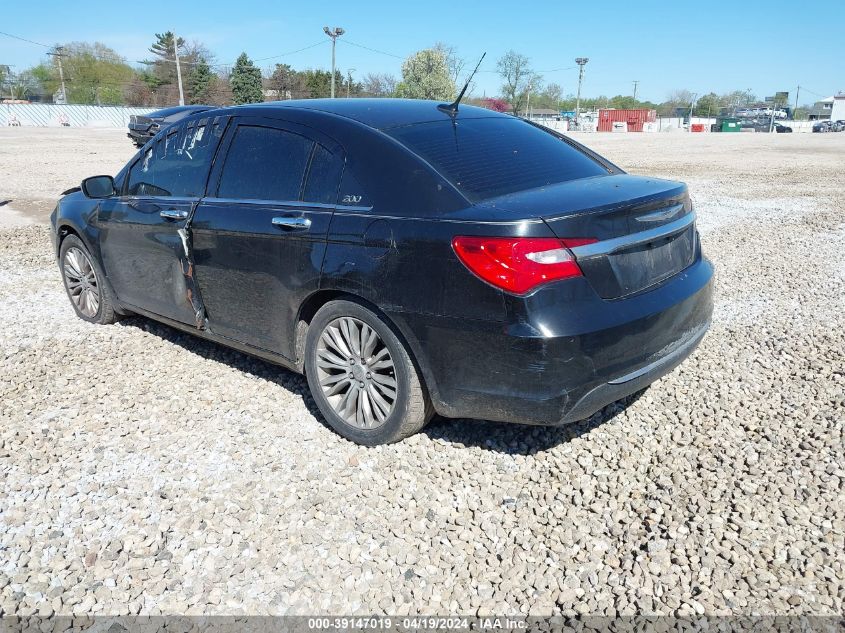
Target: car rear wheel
pixel 85 283
pixel 361 376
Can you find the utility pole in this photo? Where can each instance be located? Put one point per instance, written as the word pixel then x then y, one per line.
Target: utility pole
pixel 797 90
pixel 528 102
pixel 334 34
pixel 581 61
pixel 635 82
pixel 691 106
pixel 58 54
pixel 772 119
pixel 349 81
pixel 178 69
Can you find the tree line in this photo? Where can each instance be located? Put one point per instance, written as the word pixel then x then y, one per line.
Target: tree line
pixel 97 74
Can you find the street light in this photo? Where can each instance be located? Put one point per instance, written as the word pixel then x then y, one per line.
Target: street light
pixel 581 61
pixel 334 34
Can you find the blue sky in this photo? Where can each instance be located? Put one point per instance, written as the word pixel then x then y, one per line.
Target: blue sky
pixel 764 46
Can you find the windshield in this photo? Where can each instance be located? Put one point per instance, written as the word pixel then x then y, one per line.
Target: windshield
pixel 490 157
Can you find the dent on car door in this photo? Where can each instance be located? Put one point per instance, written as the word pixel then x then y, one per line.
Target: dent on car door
pixel 260 236
pixel 144 238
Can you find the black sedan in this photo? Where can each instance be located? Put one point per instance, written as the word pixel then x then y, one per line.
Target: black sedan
pixel 409 259
pixel 143 127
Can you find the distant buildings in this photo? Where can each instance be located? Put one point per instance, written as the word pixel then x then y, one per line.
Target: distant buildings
pixel 832 108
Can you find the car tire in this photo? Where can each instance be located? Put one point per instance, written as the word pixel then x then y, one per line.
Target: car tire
pixel 85 283
pixel 362 377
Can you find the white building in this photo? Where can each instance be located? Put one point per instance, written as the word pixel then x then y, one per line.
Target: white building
pixel 837 112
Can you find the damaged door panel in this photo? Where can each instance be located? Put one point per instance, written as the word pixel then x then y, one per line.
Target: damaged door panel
pixel 192 293
pixel 145 236
pixel 145 255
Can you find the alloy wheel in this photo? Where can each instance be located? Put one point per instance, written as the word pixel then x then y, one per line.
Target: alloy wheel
pixel 82 283
pixel 356 372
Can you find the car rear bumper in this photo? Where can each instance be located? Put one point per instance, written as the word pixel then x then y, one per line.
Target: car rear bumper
pixel 566 353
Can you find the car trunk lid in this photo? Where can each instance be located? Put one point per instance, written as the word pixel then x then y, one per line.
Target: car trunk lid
pixel 644 227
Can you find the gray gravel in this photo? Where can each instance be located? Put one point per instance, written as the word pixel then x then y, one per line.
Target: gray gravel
pixel 145 471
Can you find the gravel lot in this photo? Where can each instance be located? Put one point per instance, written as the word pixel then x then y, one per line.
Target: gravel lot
pixel 145 471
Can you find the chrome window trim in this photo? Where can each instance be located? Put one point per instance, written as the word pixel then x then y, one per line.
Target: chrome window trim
pixel 606 247
pixel 286 203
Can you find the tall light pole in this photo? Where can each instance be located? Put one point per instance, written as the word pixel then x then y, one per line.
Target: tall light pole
pixel 581 61
pixel 178 69
pixel 58 54
pixel 636 82
pixel 334 34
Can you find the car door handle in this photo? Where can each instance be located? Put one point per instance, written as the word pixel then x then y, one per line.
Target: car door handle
pixel 299 224
pixel 174 214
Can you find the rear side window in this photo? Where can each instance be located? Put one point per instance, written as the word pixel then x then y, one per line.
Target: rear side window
pixel 177 164
pixel 323 176
pixel 265 164
pixel 491 157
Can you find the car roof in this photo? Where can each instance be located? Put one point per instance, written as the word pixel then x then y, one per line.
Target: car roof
pixel 381 113
pixel 176 109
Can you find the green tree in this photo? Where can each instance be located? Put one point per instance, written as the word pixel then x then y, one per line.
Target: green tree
pixel 289 83
pixel 708 105
pixel 94 74
pixel 246 81
pixel 201 83
pixel 425 75
pixel 515 70
pixel 46 75
pixel 548 97
pixel 160 74
pixel 318 83
pixel 162 68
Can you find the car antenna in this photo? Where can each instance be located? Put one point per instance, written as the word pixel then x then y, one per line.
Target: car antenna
pixel 452 108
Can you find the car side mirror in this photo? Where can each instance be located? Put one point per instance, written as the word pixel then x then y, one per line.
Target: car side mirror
pixel 98 187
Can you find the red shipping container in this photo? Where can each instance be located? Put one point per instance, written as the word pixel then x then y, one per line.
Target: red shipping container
pixel 635 119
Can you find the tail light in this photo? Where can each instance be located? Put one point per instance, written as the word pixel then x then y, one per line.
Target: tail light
pixel 518 264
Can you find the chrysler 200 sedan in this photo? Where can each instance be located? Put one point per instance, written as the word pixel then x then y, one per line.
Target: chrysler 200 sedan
pixel 409 259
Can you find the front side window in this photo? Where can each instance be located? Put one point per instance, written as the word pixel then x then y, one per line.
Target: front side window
pixel 488 157
pixel 265 163
pixel 177 164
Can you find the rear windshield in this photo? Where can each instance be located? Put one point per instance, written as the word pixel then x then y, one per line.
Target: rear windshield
pixel 485 158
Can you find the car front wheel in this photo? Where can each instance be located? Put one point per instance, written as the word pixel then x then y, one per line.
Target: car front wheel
pixel 362 377
pixel 85 283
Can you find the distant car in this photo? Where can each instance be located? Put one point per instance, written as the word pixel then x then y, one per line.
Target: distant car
pixel 822 126
pixel 143 128
pixel 837 126
pixel 407 257
pixel 764 125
